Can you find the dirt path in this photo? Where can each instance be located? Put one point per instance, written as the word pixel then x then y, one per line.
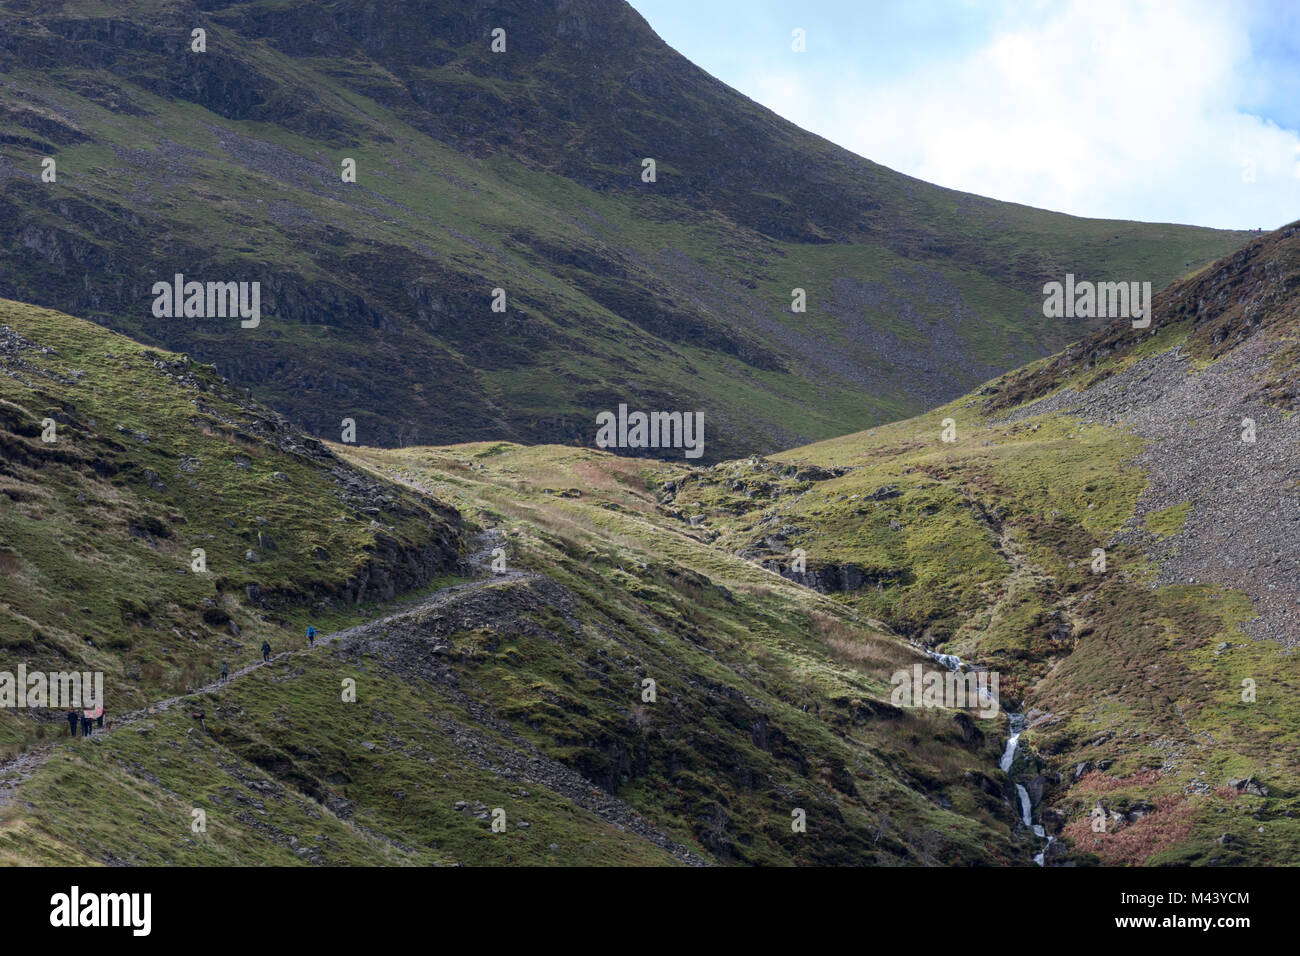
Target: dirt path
pixel 527 765
pixel 17 770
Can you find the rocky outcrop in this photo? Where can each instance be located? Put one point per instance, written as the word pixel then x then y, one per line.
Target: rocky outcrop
pixel 834 578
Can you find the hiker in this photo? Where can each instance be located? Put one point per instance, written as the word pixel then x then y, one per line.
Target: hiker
pixel 266 651
pixel 72 722
pixel 311 636
pixel 201 718
pixel 225 671
pixel 87 725
pixel 99 717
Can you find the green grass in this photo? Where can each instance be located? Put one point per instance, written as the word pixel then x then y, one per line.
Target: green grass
pixel 770 697
pixel 731 647
pixel 717 762
pixel 280 741
pixel 155 458
pixel 1169 521
pixel 987 547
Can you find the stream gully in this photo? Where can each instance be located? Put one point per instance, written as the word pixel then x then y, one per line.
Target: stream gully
pixel 1017 724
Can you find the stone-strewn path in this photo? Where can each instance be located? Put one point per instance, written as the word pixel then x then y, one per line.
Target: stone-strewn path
pixel 15 771
pixel 525 763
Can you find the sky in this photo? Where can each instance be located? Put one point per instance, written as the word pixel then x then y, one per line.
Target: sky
pixel 1157 110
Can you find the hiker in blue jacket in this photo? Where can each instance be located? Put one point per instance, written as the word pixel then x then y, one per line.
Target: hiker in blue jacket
pixel 311 635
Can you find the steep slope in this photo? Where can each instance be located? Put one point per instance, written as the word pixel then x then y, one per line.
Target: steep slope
pixel 1114 531
pixel 394 741
pixel 117 462
pixel 518 171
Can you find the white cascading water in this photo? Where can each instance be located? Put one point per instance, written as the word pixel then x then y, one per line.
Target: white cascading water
pixel 1026 808
pixel 950 661
pixel 1016 723
pixel 1038 857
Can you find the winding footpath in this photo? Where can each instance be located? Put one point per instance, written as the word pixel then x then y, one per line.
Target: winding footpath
pixel 530 765
pixel 17 770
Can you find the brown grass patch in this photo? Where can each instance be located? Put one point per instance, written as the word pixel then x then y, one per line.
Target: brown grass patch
pixel 1133 844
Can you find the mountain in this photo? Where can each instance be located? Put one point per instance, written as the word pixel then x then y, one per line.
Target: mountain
pixel 1114 531
pixel 620 659
pixel 536 653
pixel 117 462
pixel 519 171
pixel 473 691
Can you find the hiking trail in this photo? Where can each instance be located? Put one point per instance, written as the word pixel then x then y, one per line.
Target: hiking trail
pixel 17 770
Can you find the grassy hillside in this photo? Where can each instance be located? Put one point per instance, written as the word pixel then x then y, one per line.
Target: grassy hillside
pixel 770 697
pixel 1159 687
pixel 518 171
pixel 524 691
pixel 527 695
pixel 153 456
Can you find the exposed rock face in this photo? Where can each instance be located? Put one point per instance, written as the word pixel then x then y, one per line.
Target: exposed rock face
pixel 1241 295
pixel 390 570
pixel 832 578
pixel 1249 785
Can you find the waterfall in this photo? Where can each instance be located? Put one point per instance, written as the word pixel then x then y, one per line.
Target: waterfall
pixel 1016 724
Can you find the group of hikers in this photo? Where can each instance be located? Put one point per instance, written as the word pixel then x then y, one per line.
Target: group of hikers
pixel 88 719
pixel 266 651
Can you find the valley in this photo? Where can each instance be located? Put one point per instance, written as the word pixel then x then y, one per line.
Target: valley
pixel 969 536
pixel 355 366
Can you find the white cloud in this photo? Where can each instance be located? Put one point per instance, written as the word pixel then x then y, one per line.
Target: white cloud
pixel 1103 108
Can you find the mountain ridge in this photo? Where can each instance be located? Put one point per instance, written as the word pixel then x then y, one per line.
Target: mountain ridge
pixel 673 662
pixel 518 171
